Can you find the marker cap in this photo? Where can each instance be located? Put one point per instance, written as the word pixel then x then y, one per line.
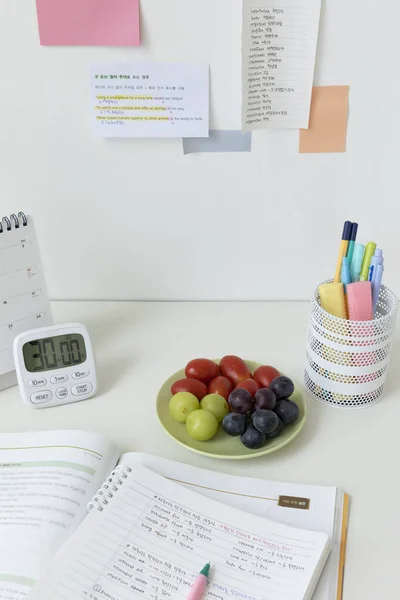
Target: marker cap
pixel 356 263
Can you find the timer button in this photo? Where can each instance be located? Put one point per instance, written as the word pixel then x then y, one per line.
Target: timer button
pixel 82 388
pixel 59 378
pixel 80 374
pixel 41 397
pixel 38 382
pixel 62 393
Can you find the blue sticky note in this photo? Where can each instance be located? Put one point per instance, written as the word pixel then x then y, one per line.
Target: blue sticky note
pixel 219 141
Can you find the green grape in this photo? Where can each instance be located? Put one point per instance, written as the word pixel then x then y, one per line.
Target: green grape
pixel 215 404
pixel 181 405
pixel 201 425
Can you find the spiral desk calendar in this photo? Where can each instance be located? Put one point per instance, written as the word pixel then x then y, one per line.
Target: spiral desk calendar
pixel 347 361
pixel 24 303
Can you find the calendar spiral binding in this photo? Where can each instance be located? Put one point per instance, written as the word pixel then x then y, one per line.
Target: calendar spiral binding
pixel 109 488
pixel 13 222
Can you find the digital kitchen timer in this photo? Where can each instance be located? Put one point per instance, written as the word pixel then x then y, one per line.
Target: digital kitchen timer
pixel 55 365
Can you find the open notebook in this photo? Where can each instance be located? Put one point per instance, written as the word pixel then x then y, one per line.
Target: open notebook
pixel 143 527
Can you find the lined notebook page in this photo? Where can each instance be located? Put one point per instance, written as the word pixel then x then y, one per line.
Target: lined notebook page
pixel 23 297
pixel 154 536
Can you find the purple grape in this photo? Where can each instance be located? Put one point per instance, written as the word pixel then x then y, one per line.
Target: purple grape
pixel 265 399
pixel 234 424
pixel 252 438
pixel 265 421
pixel 282 387
pixel 240 401
pixel 287 411
pixel 276 431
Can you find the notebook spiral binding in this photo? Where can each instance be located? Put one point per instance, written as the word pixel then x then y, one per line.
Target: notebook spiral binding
pixel 109 488
pixel 13 222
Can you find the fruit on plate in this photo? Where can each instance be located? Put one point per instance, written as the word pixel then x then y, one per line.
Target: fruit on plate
pixel 260 404
pixel 234 424
pixel 250 385
pixel 241 401
pixel 264 398
pixel 181 405
pixel 194 386
pixel 265 421
pixel 201 425
pixel 252 438
pixel 287 411
pixel 220 385
pixel 202 369
pixel 282 387
pixel 265 374
pixel 234 368
pixel 215 404
pixel 276 431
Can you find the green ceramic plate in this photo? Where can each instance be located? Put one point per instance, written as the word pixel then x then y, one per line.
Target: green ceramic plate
pixel 223 445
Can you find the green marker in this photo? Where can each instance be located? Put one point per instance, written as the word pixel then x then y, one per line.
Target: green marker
pixel 368 254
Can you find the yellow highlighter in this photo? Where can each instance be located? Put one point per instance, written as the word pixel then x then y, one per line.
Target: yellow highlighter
pixel 343 249
pixel 332 299
pixel 368 254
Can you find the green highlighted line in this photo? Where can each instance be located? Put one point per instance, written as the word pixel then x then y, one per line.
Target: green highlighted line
pixel 17 579
pixel 44 447
pixel 50 463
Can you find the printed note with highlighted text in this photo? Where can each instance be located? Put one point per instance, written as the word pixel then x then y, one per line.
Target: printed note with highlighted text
pixel 150 100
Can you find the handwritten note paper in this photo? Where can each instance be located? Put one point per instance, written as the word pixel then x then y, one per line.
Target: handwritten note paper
pixel 151 539
pixel 328 120
pixel 150 100
pixel 279 40
pixel 88 22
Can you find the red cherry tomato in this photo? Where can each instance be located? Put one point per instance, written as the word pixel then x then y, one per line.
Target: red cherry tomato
pixel 250 385
pixel 234 368
pixel 220 385
pixel 203 369
pixel 265 374
pixel 194 386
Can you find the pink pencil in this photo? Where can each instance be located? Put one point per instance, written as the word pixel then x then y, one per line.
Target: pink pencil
pixel 198 587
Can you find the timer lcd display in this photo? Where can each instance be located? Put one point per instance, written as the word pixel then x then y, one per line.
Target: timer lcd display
pixel 54 352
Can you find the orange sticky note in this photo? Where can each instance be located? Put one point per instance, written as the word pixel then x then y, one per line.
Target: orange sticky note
pixel 88 22
pixel 328 120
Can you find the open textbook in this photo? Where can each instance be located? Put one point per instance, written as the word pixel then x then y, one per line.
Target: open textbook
pixel 143 528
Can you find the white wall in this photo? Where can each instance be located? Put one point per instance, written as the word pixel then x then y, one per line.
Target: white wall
pixel 137 219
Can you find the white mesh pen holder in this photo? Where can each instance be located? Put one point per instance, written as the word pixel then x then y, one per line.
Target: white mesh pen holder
pixel 347 361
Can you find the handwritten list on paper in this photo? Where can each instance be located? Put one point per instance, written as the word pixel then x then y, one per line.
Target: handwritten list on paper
pixel 279 41
pixel 150 100
pixel 154 536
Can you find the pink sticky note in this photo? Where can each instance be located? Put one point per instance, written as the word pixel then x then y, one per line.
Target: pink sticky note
pixel 88 22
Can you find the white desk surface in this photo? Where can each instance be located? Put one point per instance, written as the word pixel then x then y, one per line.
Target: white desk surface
pixel 138 345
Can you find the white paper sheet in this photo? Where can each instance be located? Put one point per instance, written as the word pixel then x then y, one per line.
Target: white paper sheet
pixel 279 40
pixel 150 100
pixel 153 534
pixel 46 481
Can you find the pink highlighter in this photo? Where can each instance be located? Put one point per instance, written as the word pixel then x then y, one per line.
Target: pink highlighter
pixel 199 585
pixel 359 299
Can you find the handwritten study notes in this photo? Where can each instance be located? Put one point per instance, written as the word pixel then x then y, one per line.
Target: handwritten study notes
pixel 88 22
pixel 150 538
pixel 328 120
pixel 279 41
pixel 150 100
pixel 219 141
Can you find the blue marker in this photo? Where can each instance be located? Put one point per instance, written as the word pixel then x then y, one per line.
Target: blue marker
pixel 376 286
pixel 357 261
pixel 350 248
pixel 345 273
pixel 376 260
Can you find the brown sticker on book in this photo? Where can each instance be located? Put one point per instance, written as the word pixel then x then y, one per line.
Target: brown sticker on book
pixel 294 502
